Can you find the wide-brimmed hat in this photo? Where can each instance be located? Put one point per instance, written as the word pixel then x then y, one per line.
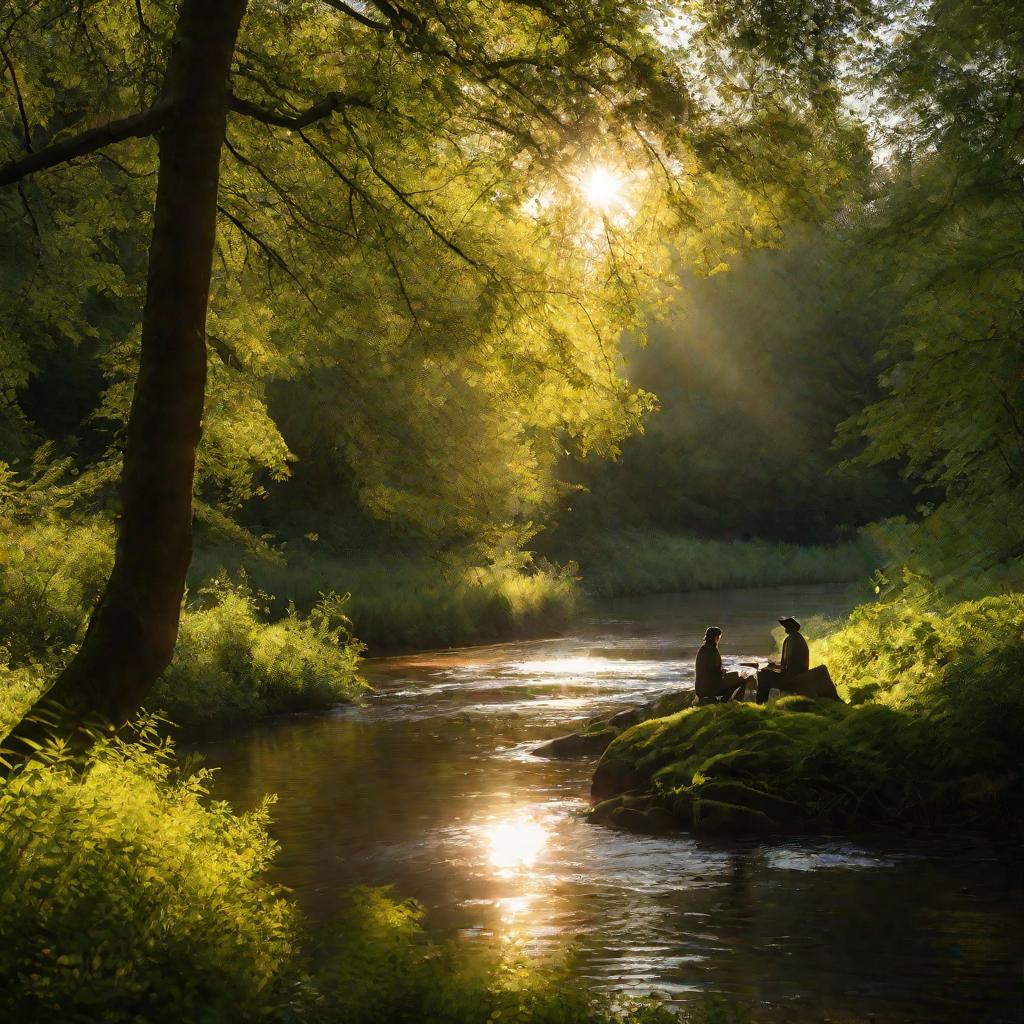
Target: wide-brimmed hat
pixel 789 622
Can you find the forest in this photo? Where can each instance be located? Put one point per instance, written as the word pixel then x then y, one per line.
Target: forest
pixel 448 366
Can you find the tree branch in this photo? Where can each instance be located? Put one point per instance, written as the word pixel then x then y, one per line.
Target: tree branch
pixel 139 125
pixel 332 102
pixel 272 255
pixel 340 5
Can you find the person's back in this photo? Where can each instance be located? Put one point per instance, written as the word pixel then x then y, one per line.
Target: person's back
pixel 708 669
pixel 796 657
pixel 711 682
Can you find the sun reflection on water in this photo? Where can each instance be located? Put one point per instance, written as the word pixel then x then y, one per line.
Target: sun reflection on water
pixel 515 845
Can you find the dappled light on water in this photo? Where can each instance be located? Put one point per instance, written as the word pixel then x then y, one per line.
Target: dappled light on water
pixel 515 845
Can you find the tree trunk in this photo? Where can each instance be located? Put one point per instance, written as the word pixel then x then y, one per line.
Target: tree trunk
pixel 134 627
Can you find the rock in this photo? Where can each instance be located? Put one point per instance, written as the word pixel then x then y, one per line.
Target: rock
pixel 663 820
pixel 656 821
pixel 672 703
pixel 739 794
pixel 599 732
pixel 625 719
pixel 601 814
pixel 612 778
pixel 576 744
pixel 682 808
pixel 713 818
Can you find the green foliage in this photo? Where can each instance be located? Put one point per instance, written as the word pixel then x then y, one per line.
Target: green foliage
pixel 378 969
pixel 945 236
pixel 936 714
pixel 233 660
pixel 414 601
pixel 127 895
pixel 232 663
pixel 50 576
pixel 753 369
pixel 638 562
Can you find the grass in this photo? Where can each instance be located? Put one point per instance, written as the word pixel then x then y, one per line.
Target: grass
pixel 400 602
pixel 650 562
pixel 929 736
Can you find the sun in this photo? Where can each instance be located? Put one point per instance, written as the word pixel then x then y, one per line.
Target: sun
pixel 602 188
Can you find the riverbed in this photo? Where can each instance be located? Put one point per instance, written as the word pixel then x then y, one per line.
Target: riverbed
pixel 431 787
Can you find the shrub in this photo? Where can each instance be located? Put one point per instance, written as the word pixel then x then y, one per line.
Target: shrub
pixel 51 574
pixel 231 663
pixel 126 895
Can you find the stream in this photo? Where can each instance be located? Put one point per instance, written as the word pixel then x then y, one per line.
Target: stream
pixel 430 787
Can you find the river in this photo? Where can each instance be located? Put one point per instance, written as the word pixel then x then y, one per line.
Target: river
pixel 431 787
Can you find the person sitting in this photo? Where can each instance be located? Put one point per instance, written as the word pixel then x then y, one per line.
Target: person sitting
pixel 712 682
pixel 796 660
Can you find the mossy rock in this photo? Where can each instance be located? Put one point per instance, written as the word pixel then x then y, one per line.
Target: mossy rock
pixel 601 813
pixel 614 776
pixel 733 764
pixel 672 703
pixel 740 794
pixel 682 808
pixel 714 818
pixel 657 821
pixel 799 704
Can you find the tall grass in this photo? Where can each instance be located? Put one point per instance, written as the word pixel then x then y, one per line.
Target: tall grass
pixel 400 602
pixel 651 562
pixel 233 661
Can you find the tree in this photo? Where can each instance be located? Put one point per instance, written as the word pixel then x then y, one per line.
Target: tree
pixel 945 235
pixel 508 100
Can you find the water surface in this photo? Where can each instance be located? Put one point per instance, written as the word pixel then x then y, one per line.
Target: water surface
pixel 431 787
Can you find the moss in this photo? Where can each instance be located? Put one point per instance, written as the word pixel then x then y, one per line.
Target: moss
pixel 781 811
pixel 713 817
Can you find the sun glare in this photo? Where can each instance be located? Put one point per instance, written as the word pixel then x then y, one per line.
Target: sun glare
pixel 602 188
pixel 516 844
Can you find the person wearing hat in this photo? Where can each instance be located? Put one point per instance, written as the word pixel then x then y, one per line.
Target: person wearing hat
pixel 711 681
pixel 796 659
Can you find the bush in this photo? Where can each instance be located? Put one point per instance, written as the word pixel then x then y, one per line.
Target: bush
pixel 231 663
pixel 51 574
pixel 409 602
pixel 126 895
pixel 650 562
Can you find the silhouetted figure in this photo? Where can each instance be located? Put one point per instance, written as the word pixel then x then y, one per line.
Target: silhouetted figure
pixel 796 660
pixel 712 682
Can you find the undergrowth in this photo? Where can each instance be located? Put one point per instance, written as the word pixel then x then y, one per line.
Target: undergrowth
pixel 652 562
pixel 407 602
